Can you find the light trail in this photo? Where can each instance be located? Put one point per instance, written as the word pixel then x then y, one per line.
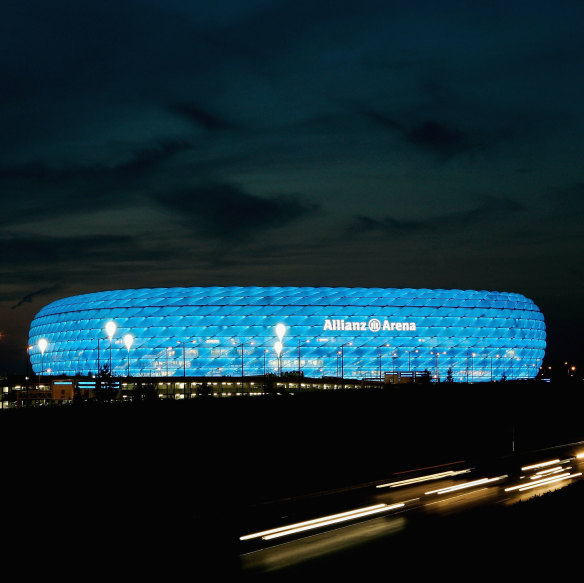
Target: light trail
pixel 543 482
pixel 446 500
pixel 322 521
pixel 333 521
pixel 540 465
pixel 466 485
pixel 427 478
pixel 538 475
pixel 550 481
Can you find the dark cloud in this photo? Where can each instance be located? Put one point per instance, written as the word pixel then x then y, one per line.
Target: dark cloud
pixel 389 226
pixel 384 121
pixel 227 212
pixel 440 139
pixel 40 252
pixel 490 210
pixel 202 118
pixel 39 190
pixel 28 298
pixel 568 200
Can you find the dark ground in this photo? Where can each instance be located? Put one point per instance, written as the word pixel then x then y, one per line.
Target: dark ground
pixel 155 488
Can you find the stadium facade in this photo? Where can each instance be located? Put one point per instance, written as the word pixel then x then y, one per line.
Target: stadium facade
pixel 242 331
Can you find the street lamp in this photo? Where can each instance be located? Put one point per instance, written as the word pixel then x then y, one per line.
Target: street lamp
pixel 299 367
pixel 437 354
pixel 379 348
pixel 128 341
pixel 110 330
pixel 241 345
pixel 278 348
pixel 98 353
pixel 42 344
pixel 265 352
pixel 343 360
pixel 472 367
pixel 280 331
pixel 184 359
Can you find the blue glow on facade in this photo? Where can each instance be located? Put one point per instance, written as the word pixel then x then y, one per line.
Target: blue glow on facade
pixel 350 332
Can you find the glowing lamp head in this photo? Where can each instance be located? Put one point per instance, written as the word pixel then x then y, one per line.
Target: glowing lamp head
pixel 280 331
pixel 110 329
pixel 128 341
pixel 42 344
pixel 278 348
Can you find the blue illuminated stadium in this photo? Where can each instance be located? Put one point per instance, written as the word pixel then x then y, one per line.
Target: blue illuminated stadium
pixel 348 332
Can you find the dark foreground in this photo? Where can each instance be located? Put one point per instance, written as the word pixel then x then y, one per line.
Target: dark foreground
pixel 157 488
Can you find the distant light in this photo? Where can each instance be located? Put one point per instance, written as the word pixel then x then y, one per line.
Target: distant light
pixel 466 485
pixel 543 482
pixel 128 341
pixel 426 478
pixel 110 329
pixel 42 344
pixel 323 521
pixel 280 331
pixel 540 465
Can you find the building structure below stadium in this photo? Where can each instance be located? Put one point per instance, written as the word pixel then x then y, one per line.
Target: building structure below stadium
pixel 467 335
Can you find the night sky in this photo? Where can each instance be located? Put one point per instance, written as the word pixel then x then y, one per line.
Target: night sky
pixel 365 143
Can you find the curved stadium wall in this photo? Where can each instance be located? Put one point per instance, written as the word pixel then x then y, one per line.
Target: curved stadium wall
pixel 350 332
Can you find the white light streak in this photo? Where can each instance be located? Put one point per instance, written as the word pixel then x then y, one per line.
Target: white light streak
pixel 322 521
pixel 540 465
pixel 427 478
pixel 466 485
pixel 550 481
pixel 543 482
pixel 451 498
pixel 538 475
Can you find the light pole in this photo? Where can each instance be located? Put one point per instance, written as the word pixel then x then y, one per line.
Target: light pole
pixel 409 361
pixel 166 353
pixel 241 345
pixel 379 349
pixel 299 367
pixel 436 354
pixel 278 348
pixel 42 344
pixel 472 367
pixel 128 341
pixel 343 360
pixel 299 357
pixel 110 329
pixel 265 352
pixel 184 358
pixel 280 333
pixel 98 353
